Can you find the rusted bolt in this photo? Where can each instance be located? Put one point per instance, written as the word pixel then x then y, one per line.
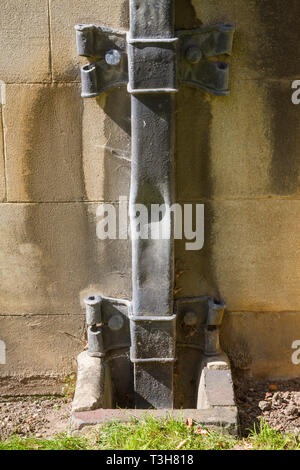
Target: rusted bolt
pixel 113 57
pixel 115 322
pixel 193 54
pixel 190 319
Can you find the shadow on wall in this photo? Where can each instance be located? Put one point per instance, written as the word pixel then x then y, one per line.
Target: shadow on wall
pixel 285 164
pixel 194 275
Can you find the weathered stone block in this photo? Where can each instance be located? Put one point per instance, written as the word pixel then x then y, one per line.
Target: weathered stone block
pixel 38 345
pixel 19 385
pixel 2 160
pixel 66 150
pixel 65 15
pixel 52 259
pixel 257 35
pixel 24 41
pixel 262 343
pixel 44 162
pixel 243 145
pixel 250 257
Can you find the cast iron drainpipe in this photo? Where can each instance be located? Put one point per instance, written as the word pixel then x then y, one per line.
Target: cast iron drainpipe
pixel 156 60
pixel 151 41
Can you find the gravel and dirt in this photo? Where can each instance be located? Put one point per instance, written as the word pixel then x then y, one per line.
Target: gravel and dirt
pixel 278 403
pixel 34 416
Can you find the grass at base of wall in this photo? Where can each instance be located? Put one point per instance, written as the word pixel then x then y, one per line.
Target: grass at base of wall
pixel 152 434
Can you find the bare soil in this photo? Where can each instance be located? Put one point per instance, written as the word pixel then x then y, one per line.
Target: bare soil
pixel 277 402
pixel 34 416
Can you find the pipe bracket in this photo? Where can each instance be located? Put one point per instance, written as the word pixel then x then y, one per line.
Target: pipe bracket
pixel 198 323
pixel 197 48
pixel 187 58
pixel 108 325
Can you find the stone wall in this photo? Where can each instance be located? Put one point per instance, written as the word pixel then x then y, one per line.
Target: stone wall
pixel 240 155
pixel 61 156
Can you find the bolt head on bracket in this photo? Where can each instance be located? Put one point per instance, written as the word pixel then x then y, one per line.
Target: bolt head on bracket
pixel 193 54
pixel 113 57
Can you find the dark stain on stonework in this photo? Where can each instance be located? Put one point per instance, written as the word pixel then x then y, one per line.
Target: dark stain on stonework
pixel 279 53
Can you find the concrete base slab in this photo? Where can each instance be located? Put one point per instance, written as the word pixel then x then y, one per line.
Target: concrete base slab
pixel 225 418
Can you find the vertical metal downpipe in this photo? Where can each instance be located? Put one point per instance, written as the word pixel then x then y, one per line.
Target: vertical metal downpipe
pixel 152 182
